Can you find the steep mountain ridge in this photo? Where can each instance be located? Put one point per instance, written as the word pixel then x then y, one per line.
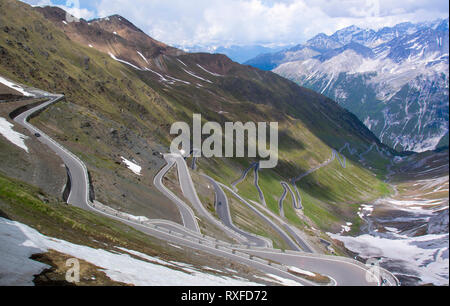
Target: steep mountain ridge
pixel 201 68
pixel 113 34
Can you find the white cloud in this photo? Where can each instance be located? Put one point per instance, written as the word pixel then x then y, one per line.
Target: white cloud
pixel 79 13
pixel 248 21
pixel 258 21
pixel 73 7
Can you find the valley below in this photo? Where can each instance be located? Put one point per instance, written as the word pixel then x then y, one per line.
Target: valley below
pixel 408 233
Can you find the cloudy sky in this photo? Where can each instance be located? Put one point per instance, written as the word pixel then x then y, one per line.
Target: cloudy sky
pixel 222 22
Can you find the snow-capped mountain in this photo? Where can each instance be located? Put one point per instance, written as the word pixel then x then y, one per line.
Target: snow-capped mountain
pixel 395 79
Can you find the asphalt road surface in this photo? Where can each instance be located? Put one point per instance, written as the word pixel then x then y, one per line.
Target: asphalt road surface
pixel 187 215
pixel 343 270
pixel 223 211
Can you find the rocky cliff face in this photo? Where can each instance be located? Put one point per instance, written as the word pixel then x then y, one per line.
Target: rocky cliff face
pixel 395 79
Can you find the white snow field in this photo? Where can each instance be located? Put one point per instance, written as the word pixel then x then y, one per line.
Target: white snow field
pixel 15 87
pixel 18 242
pixel 427 255
pixel 124 62
pixel 196 76
pixel 135 168
pixel 11 135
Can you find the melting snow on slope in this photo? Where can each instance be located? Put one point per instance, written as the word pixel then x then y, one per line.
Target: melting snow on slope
pixel 146 257
pixel 346 228
pixel 158 74
pixel 212 73
pixel 132 166
pixel 178 80
pixel 15 87
pixel 13 136
pixel 19 242
pixel 196 76
pixel 181 62
pixel 365 210
pixel 143 57
pixel 427 255
pixel 124 62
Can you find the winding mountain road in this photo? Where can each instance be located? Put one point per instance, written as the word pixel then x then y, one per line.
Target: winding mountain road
pixel 272 224
pixel 255 167
pixel 187 215
pixel 79 194
pixel 189 192
pixel 286 188
pixel 281 200
pixel 334 155
pixel 340 270
pixel 223 211
pixel 243 176
pixel 79 197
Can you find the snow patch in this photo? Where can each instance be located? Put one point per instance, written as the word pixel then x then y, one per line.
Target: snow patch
pixel 212 269
pixel 146 257
pixel 15 87
pixel 158 74
pixel 196 76
pixel 212 73
pixel 365 210
pixel 392 229
pixel 346 228
pixel 124 62
pixel 427 255
pixel 132 166
pixel 143 57
pixel 11 135
pixel 181 62
pixel 19 242
pixel 178 80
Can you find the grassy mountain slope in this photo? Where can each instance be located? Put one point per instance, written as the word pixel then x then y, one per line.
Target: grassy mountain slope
pixel 23 203
pixel 128 112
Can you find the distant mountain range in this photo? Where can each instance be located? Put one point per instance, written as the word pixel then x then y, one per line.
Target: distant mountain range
pixel 394 79
pixel 237 53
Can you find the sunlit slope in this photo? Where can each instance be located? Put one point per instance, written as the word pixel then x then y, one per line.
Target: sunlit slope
pixel 123 103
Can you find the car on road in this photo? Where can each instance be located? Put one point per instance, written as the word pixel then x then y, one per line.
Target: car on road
pixel 37 134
